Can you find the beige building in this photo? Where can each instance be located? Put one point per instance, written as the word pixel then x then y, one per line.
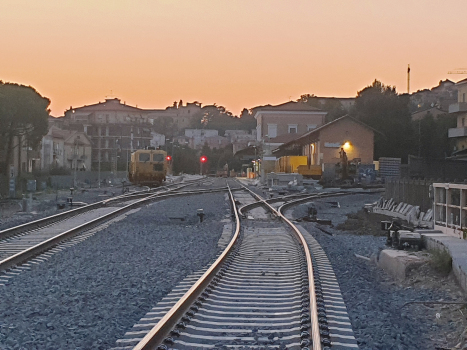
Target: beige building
pixel 64 148
pixel 291 118
pixel 182 116
pixel 114 128
pixel 459 134
pixel 322 145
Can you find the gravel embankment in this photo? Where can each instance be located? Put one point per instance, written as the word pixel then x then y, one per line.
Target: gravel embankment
pixel 88 296
pixel 373 298
pixel 45 204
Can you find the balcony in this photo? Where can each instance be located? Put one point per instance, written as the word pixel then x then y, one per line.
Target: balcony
pixel 457 132
pixel 458 107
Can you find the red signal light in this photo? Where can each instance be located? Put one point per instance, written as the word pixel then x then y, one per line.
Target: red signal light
pixel 203 159
pixel 169 158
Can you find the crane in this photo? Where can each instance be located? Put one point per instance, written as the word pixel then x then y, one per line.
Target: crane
pixel 458 71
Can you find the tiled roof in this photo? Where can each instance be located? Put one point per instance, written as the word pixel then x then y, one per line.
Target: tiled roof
pixel 316 131
pixel 290 106
pixel 109 105
pixel 284 138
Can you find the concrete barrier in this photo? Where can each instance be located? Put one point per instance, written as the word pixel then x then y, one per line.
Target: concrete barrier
pixel 399 262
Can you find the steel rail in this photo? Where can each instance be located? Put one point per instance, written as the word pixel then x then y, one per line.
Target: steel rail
pixel 157 334
pixel 49 243
pixel 314 331
pixel 73 212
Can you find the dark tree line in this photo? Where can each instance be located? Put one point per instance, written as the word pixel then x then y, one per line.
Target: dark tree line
pixel 219 118
pixel 23 119
pixel 382 108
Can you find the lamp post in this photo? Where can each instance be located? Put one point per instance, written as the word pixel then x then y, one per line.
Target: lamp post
pixel 75 159
pixel 255 164
pixel 99 157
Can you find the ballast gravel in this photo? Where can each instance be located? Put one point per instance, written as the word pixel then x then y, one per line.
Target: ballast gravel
pixel 89 295
pixel 374 300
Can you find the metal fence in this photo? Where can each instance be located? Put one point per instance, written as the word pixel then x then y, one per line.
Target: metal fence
pixel 414 192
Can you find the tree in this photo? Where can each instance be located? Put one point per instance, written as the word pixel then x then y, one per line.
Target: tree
pixel 23 115
pixel 219 118
pixel 432 134
pixel 331 105
pixel 382 108
pixel 184 159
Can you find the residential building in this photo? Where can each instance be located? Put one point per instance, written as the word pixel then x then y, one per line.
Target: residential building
pixel 216 142
pixel 115 130
pixel 65 148
pixel 291 118
pixel 182 116
pixel 441 96
pixel 459 134
pixel 197 137
pixel 240 139
pixel 435 111
pixel 157 140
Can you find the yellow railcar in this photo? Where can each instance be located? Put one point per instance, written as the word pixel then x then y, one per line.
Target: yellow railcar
pixel 148 167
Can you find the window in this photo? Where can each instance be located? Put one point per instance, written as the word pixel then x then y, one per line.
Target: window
pixel 144 157
pixel 292 128
pixel 463 97
pixel 158 157
pixel 272 130
pixel 311 127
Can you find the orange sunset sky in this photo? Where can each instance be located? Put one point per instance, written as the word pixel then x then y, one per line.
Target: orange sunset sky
pixel 236 53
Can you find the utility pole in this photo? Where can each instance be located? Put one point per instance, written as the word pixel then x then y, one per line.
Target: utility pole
pixel 99 158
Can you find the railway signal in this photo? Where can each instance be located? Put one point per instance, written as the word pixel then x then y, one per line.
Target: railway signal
pixel 168 158
pixel 202 160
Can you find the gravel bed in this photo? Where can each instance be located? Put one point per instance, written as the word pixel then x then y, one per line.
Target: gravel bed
pixel 45 204
pixel 373 298
pixel 88 296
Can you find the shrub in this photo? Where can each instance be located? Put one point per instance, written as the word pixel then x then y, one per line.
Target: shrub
pixel 441 260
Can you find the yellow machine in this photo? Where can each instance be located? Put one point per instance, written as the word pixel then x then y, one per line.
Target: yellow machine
pixel 298 164
pixel 148 167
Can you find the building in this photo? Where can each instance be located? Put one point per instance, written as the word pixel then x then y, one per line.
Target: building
pixel 65 148
pixel 182 116
pixel 442 95
pixel 459 134
pixel 197 137
pixel 240 139
pixel 323 145
pixel 287 118
pixel 435 111
pixel 115 130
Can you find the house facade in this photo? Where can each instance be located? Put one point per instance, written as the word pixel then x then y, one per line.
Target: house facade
pixel 459 133
pixel 291 118
pixel 323 145
pixel 64 148
pixel 114 128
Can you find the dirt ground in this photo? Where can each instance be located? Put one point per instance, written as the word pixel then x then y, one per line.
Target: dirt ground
pixel 450 314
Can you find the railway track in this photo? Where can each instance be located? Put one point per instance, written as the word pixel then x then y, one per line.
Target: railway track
pixel 29 241
pixel 271 288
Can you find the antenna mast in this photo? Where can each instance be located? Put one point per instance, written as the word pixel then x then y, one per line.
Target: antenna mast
pixel 408 79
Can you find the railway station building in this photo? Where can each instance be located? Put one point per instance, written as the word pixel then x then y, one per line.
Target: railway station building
pixel 322 146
